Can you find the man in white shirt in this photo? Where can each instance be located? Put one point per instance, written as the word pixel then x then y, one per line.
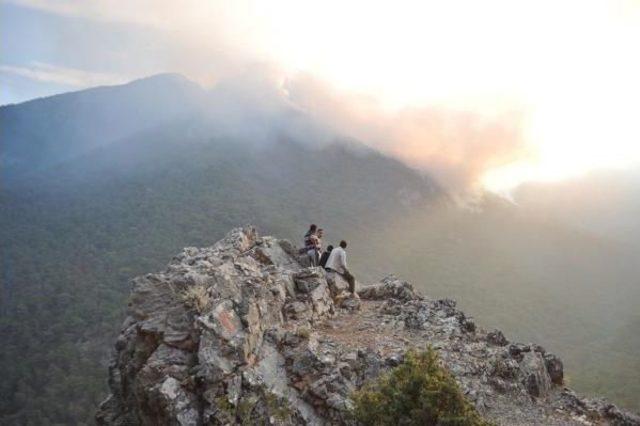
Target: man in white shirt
pixel 337 262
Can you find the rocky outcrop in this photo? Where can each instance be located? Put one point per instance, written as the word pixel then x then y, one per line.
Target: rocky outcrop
pixel 243 333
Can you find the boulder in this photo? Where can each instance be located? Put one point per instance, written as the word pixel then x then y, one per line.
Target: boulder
pixel 389 287
pixel 336 283
pixel 496 337
pixel 309 278
pixel 349 303
pixel 534 374
pixel 554 368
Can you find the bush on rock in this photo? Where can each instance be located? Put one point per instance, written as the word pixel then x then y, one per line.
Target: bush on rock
pixel 417 392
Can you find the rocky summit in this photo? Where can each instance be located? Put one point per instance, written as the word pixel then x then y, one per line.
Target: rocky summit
pixel 244 332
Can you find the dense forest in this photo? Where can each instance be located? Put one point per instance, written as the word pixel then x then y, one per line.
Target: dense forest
pixel 69 251
pixel 80 220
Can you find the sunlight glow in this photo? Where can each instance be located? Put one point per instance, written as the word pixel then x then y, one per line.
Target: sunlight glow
pixel 574 64
pixel 569 67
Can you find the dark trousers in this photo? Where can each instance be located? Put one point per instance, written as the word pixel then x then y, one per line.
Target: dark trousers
pixel 350 279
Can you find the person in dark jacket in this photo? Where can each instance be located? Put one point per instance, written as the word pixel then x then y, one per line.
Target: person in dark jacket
pixel 325 256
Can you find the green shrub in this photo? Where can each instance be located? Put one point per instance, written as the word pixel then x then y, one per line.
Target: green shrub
pixel 418 392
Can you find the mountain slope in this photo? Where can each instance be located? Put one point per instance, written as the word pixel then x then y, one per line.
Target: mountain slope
pixel 45 132
pixel 75 232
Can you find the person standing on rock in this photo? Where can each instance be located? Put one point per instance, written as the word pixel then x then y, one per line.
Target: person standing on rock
pixel 337 262
pixel 308 242
pixel 316 247
pixel 307 236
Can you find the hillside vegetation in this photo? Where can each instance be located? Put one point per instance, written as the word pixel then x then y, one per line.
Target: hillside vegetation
pixel 84 209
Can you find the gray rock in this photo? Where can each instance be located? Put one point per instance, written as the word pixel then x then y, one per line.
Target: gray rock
pixel 389 287
pixel 496 337
pixel 242 332
pixel 554 368
pixel 336 283
pixel 351 304
pixel 517 350
pixel 308 279
pixel 534 374
pixel 505 368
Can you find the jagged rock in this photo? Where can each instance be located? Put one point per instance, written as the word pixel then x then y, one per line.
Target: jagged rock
pixel 468 324
pixel 554 368
pixel 538 348
pixel 244 332
pixel 297 310
pixel 496 337
pixel 337 284
pixel 535 376
pixel 517 350
pixel 417 318
pixel 505 368
pixel 389 287
pixel 599 409
pixel 349 303
pixel 618 416
pixel 309 279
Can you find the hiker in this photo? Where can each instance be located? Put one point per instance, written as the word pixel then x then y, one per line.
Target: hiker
pixel 315 247
pixel 307 236
pixel 325 256
pixel 337 262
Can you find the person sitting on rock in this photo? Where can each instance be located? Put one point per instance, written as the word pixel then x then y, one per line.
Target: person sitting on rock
pixel 337 262
pixel 315 247
pixel 325 256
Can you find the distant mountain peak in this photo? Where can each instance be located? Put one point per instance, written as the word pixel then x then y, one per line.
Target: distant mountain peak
pixel 168 78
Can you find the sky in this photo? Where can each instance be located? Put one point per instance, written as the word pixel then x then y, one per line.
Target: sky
pixel 489 94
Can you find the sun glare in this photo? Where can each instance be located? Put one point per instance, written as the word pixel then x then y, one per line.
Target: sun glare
pixel 574 65
pixel 569 67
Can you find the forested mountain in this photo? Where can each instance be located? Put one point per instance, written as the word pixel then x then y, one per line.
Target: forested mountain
pixel 105 184
pixel 74 231
pixel 45 132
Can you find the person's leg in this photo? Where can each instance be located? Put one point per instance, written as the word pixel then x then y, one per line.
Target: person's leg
pixel 351 280
pixel 312 257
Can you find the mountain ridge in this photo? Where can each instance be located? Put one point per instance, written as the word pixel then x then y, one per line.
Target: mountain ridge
pixel 245 332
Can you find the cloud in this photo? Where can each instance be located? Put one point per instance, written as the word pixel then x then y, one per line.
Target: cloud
pixel 430 72
pixel 72 77
pixel 132 12
pixel 458 147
